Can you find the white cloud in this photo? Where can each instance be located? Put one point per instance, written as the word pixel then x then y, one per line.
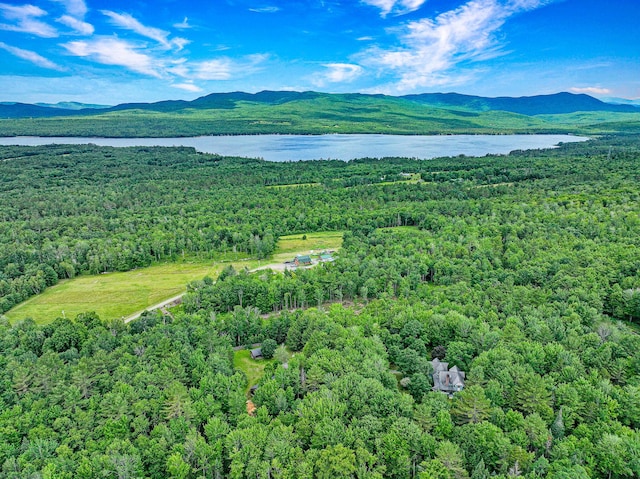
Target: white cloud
pixel 591 90
pixel 126 21
pixel 30 56
pixel 113 51
pixel 183 25
pixel 18 12
pixel 180 43
pixel 440 51
pixel 265 10
pixel 218 69
pixel 384 5
pixel 74 18
pixel 223 68
pixel 179 68
pixel 79 26
pixel 187 87
pixel 75 8
pixel 399 7
pixel 25 20
pixel 338 73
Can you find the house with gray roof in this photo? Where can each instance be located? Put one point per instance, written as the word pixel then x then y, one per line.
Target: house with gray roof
pixel 256 353
pixel 447 380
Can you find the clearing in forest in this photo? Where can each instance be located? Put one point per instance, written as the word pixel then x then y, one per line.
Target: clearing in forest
pixel 123 294
pixel 292 185
pixel 253 368
pixel 289 246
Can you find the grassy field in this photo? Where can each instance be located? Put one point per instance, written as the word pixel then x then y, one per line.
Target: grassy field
pixel 113 295
pixel 117 295
pixel 314 241
pixel 289 246
pixel 253 368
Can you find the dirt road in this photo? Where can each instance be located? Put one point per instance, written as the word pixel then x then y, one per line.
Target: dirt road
pixel 162 304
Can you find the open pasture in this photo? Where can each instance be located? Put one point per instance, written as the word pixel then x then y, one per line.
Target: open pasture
pixel 121 294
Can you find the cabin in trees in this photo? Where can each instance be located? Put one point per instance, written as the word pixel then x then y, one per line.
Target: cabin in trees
pixel 447 380
pixel 256 353
pixel 302 260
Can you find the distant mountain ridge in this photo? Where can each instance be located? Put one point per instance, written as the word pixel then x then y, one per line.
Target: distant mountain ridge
pixel 558 103
pixel 72 105
pixel 621 101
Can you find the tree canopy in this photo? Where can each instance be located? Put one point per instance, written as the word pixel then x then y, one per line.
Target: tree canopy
pixel 521 270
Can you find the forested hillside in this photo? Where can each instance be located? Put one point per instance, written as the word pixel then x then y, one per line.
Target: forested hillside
pixel 288 112
pixel 521 270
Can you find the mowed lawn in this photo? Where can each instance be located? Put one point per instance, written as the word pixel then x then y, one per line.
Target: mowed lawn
pixel 118 295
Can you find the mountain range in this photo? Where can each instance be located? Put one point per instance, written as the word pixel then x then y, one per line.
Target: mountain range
pixel 559 103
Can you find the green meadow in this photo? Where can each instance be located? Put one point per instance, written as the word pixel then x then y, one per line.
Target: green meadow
pixel 294 244
pixel 113 295
pixel 118 295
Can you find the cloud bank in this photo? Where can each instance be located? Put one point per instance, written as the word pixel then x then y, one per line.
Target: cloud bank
pixel 75 8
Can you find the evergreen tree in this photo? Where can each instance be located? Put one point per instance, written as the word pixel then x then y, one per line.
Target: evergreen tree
pixel 470 406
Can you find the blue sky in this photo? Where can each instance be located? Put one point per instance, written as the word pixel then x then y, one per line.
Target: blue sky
pixel 109 52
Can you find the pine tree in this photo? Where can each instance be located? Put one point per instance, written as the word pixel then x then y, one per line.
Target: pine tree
pixel 480 471
pixel 557 428
pixel 470 406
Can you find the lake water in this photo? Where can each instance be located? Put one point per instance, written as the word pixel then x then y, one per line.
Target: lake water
pixel 316 147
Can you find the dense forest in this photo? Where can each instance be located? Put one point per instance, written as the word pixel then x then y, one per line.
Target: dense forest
pixel 522 270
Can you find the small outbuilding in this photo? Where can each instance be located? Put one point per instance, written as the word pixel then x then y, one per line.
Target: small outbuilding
pixel 256 353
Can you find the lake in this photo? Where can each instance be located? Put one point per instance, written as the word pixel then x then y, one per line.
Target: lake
pixel 316 147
